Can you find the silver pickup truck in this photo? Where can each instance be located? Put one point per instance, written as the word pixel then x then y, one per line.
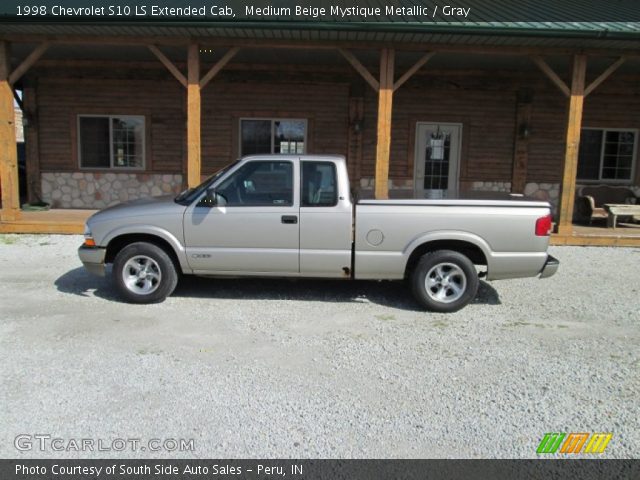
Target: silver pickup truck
pixel 293 216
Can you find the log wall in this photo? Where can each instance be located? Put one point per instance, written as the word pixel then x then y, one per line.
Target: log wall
pixel 484 102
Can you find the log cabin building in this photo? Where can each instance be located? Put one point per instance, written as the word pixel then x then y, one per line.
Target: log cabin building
pixel 113 112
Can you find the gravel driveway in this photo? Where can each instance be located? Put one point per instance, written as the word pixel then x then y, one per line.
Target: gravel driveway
pixel 279 368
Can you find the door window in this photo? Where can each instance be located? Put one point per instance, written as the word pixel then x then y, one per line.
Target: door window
pixel 259 184
pixel 437 159
pixel 436 170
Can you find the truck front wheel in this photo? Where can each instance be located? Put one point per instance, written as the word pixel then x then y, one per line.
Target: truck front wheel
pixel 444 281
pixel 144 273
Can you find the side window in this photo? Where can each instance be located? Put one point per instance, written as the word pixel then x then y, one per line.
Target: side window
pixel 607 155
pixel 319 185
pixel 272 135
pixel 111 141
pixel 259 184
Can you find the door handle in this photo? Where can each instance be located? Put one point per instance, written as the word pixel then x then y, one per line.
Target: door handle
pixel 289 219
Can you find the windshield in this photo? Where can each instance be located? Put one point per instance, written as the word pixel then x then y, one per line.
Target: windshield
pixel 190 194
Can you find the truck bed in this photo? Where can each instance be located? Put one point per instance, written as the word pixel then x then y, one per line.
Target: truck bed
pixel 387 231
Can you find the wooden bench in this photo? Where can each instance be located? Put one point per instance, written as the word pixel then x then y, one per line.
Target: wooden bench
pixel 620 209
pixel 592 198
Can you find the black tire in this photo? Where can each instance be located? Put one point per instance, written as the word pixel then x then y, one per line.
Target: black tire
pixel 449 292
pixel 144 273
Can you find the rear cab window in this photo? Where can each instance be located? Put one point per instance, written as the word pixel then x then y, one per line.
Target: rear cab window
pixel 319 184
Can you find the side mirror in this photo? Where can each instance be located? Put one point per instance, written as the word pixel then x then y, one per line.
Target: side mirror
pixel 209 199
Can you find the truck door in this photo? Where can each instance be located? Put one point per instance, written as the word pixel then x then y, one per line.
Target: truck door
pixel 253 227
pixel 325 220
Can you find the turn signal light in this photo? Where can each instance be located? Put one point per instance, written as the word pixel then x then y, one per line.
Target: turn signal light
pixel 89 242
pixel 544 226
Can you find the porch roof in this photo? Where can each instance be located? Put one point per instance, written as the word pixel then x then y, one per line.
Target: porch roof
pixel 604 38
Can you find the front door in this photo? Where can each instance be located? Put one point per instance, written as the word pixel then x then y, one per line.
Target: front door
pixel 437 160
pixel 253 228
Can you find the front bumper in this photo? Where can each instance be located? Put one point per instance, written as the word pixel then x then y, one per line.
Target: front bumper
pixel 550 267
pixel 93 259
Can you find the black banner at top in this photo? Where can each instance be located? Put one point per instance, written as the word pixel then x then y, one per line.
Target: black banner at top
pixel 561 13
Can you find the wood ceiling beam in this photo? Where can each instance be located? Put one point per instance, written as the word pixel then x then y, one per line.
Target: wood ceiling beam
pixel 288 68
pixel 553 76
pixel 169 65
pixel 361 69
pixel 604 75
pixel 218 42
pixel 28 62
pixel 213 71
pixel 416 66
pixel 412 46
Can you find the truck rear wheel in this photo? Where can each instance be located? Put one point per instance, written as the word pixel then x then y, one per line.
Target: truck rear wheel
pixel 144 273
pixel 444 281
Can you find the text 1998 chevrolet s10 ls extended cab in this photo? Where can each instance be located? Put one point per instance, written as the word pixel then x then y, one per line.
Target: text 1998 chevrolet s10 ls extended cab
pixel 293 216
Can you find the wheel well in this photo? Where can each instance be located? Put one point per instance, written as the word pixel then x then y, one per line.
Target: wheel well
pixel 468 249
pixel 121 241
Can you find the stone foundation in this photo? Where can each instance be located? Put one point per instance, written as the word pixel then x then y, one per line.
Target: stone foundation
pixel 549 192
pixel 403 188
pixel 368 183
pixel 100 190
pixel 398 188
pixel 491 187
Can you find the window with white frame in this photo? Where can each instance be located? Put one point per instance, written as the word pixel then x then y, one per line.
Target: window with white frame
pixel 111 141
pixel 272 135
pixel 607 155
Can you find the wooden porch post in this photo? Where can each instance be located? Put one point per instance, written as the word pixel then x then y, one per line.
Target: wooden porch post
pixel 193 116
pixel 194 85
pixel 354 136
pixel 8 148
pixel 574 124
pixel 385 100
pixel 385 88
pixel 521 144
pixel 32 142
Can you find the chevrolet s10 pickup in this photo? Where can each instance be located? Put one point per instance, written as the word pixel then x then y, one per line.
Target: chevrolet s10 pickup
pixel 294 216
